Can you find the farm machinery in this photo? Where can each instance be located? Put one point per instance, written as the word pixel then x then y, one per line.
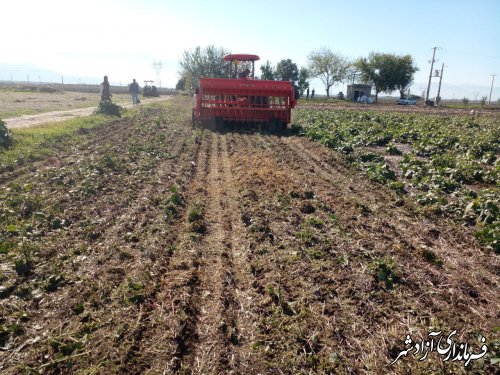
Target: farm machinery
pixel 243 100
pixel 150 90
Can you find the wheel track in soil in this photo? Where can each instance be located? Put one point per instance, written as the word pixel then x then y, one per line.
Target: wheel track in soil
pixel 129 360
pixel 145 350
pixel 215 329
pixel 256 287
pixel 294 280
pixel 244 295
pixel 207 278
pixel 180 285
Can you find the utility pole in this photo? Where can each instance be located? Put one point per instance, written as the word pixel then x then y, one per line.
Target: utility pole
pixel 492 80
pixel 438 98
pixel 430 76
pixel 157 67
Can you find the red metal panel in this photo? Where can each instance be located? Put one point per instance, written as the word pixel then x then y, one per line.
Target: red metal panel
pixel 245 100
pixel 218 86
pixel 241 57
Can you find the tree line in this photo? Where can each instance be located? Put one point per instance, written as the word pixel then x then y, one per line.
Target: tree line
pixel 386 72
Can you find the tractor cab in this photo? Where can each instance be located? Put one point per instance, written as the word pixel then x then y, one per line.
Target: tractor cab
pixel 241 65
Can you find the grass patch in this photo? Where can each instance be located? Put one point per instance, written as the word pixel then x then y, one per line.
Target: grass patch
pixel 384 272
pixel 195 212
pixel 195 218
pixel 34 143
pixel 108 108
pixel 172 205
pixel 431 257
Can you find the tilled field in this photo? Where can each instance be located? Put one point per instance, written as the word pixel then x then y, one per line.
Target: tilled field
pixel 158 248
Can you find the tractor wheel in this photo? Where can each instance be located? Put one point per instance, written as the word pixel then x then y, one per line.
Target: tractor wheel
pixel 208 124
pixel 212 124
pixel 219 123
pixel 274 125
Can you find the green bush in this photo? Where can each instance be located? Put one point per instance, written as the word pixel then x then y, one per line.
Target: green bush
pixel 5 136
pixel 108 108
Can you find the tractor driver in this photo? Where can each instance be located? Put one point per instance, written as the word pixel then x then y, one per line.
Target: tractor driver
pixel 244 74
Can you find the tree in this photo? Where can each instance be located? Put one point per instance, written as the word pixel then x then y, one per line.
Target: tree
pixel 329 66
pixel 404 74
pixel 302 84
pixel 206 62
pixel 267 71
pixel 181 83
pixel 387 72
pixel 286 70
pixel 375 69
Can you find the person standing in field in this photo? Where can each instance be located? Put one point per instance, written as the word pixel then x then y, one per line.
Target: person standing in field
pixel 312 94
pixel 104 89
pixel 307 92
pixel 134 91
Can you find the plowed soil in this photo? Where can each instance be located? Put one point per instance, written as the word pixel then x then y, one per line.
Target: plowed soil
pixel 181 250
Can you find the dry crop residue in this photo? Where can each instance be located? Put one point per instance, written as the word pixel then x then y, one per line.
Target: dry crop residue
pixel 157 248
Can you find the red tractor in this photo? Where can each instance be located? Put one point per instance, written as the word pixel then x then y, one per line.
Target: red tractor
pixel 242 99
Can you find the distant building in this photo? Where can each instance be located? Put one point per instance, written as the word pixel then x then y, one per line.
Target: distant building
pixel 357 90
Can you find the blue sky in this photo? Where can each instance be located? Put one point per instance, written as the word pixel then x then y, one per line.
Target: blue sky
pixel 122 38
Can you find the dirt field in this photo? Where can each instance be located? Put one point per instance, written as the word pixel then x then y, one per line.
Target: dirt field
pixel 17 103
pixel 157 248
pixel 59 115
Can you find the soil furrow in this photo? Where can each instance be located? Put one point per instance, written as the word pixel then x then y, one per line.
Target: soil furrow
pixel 180 286
pixel 212 353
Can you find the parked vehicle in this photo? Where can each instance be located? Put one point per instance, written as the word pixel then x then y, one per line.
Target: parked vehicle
pixel 406 101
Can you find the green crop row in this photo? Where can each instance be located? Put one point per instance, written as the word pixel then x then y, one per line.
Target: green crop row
pixel 450 163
